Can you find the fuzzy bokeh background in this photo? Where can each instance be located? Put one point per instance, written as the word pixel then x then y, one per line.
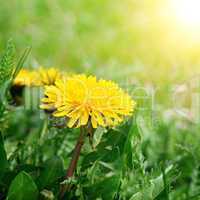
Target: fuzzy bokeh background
pixel 140 39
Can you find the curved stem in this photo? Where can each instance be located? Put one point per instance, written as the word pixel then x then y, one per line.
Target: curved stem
pixel 72 167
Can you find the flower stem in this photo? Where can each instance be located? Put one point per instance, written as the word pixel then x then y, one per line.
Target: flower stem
pixel 73 163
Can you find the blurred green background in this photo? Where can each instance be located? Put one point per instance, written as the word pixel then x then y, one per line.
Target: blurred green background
pixel 111 38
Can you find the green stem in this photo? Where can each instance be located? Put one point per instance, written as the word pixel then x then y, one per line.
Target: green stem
pixel 72 167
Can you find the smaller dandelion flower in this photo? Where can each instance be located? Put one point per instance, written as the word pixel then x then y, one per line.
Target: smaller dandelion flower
pixel 86 100
pixel 25 78
pixel 48 76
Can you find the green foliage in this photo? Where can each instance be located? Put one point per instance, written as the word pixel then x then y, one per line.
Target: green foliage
pixel 8 71
pixel 7 63
pixel 104 166
pixel 21 61
pixel 155 187
pixel 3 158
pixel 53 170
pixel 23 188
pixel 132 161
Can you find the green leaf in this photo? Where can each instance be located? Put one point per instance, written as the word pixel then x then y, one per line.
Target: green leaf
pixel 3 96
pixel 23 188
pixel 105 189
pixel 52 171
pixel 156 186
pixel 6 70
pixel 7 62
pixel 97 136
pixel 3 159
pixel 132 145
pixel 104 166
pixel 21 61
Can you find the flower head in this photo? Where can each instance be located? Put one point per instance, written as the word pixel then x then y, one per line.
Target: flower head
pixel 25 78
pixel 48 76
pixel 86 100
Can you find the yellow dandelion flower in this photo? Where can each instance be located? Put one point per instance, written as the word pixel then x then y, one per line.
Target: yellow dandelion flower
pixel 54 96
pixel 86 100
pixel 48 76
pixel 25 78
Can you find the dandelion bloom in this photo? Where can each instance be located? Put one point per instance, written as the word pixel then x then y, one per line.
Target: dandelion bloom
pixel 48 76
pixel 25 78
pixel 86 100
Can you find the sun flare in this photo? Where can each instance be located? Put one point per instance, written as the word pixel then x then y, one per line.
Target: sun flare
pixel 187 12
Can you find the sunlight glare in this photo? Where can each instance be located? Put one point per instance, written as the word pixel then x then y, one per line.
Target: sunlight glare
pixel 187 12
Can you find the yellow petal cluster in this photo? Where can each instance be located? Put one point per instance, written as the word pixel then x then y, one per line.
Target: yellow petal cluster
pixel 25 78
pixel 48 76
pixel 41 77
pixel 86 100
